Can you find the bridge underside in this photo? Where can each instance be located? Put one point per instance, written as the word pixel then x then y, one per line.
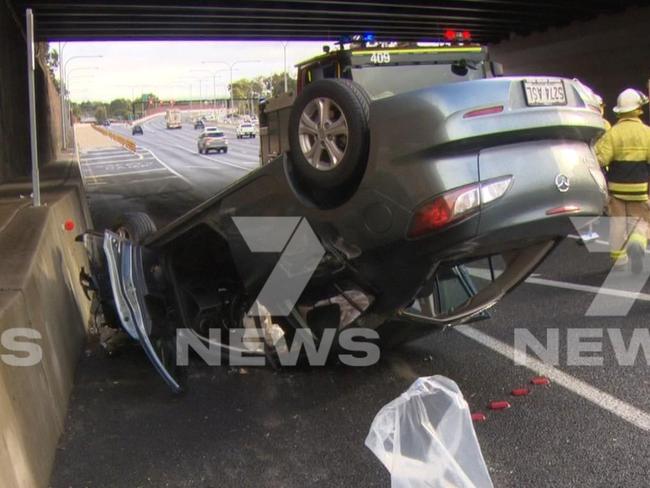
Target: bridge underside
pixel 489 21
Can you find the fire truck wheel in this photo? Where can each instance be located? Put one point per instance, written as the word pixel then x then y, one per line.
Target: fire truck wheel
pixel 328 133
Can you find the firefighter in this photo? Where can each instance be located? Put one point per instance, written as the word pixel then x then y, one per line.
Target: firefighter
pixel 625 150
pixel 601 105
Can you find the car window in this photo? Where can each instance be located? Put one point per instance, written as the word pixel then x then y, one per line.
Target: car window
pixel 385 81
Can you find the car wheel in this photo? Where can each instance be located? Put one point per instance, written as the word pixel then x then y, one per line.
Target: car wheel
pixel 135 226
pixel 225 150
pixel 328 133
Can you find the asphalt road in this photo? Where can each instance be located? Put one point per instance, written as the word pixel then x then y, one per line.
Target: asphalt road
pixel 166 177
pixel 306 427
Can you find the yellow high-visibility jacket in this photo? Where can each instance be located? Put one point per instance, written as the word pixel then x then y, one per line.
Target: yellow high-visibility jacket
pixel 625 149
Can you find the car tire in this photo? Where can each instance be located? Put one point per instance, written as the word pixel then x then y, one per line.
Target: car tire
pixel 349 103
pixel 225 150
pixel 135 226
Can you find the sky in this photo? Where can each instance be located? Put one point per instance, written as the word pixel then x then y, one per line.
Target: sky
pixel 172 70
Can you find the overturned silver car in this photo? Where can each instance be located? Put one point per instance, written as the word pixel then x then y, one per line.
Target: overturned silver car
pixel 389 171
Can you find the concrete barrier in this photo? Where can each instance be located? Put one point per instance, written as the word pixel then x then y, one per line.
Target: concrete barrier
pixel 125 141
pixel 39 291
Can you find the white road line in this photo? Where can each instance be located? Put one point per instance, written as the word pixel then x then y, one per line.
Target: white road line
pixel 621 409
pixel 149 180
pixel 578 238
pixel 590 289
pixel 597 241
pixel 169 168
pixel 116 161
pixel 111 156
pixel 127 173
pixel 534 280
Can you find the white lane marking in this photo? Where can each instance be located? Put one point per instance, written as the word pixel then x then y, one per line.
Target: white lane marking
pixel 209 168
pixel 171 170
pixel 621 409
pixel 578 238
pixel 227 163
pixel 149 180
pixel 534 280
pixel 118 161
pixel 590 289
pixel 597 241
pixel 104 151
pixel 128 173
pixel 102 158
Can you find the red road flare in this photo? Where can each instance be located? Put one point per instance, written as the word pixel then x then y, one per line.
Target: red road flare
pixel 540 380
pixel 499 405
pixel 478 417
pixel 520 392
pixel 68 225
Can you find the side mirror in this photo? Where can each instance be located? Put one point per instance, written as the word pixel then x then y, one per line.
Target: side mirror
pixel 497 69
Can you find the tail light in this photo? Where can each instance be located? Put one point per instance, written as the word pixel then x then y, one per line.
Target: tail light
pixel 455 205
pixel 483 111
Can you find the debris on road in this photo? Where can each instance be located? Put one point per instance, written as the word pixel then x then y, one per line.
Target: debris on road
pixel 425 437
pixel 520 392
pixel 540 380
pixel 499 405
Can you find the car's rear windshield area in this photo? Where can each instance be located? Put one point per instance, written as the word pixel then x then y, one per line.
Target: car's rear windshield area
pixel 386 81
pixel 213 134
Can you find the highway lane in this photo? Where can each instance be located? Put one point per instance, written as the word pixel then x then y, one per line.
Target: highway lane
pixel 166 176
pixel 295 428
pixel 178 148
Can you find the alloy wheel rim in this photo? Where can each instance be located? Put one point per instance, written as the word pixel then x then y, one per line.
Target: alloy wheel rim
pixel 323 133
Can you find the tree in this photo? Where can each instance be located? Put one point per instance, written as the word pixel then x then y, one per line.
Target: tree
pixel 52 61
pixel 275 83
pixel 119 108
pixel 100 114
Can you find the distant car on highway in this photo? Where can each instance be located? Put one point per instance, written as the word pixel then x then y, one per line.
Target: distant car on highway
pixel 137 130
pixel 198 124
pixel 245 130
pixel 212 138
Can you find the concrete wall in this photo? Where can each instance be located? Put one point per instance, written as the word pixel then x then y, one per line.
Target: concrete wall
pixel 39 290
pixel 14 102
pixel 608 53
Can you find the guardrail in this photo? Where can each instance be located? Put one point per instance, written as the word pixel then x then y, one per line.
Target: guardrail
pixel 125 141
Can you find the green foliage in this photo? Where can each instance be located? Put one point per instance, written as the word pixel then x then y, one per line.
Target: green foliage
pixel 145 97
pixel 120 108
pixel 272 85
pixel 100 114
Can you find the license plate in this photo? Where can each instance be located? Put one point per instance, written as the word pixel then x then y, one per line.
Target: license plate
pixel 544 92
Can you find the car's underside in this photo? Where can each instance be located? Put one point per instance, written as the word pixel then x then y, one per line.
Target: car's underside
pixel 413 237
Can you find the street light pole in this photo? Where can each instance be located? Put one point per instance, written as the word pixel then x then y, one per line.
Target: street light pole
pixel 62 96
pixel 284 46
pixel 231 66
pixel 64 87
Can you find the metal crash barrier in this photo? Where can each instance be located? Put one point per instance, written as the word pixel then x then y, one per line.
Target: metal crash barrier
pixel 125 141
